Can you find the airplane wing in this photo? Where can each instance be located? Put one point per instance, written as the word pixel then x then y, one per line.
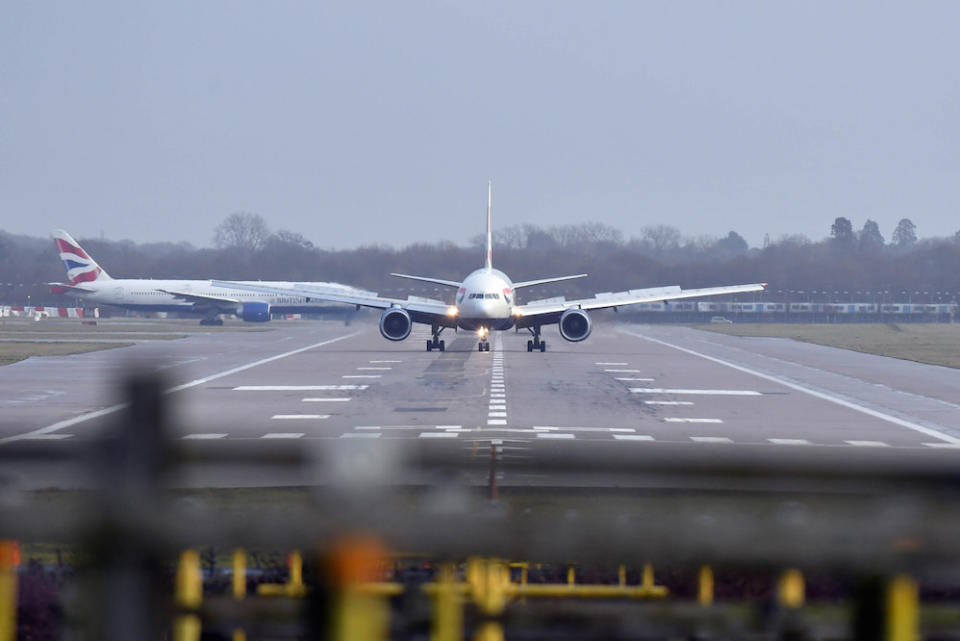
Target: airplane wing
pixel 193 297
pixel 427 279
pixel 546 311
pixel 542 281
pixel 421 310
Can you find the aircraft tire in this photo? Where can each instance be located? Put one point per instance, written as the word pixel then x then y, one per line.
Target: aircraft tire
pixel 543 346
pixel 429 345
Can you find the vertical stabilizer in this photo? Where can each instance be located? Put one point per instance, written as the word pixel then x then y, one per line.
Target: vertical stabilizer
pixel 489 264
pixel 81 268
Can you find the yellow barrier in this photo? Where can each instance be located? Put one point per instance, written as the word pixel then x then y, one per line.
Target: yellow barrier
pixel 239 585
pixel 189 596
pixel 705 586
pixel 9 560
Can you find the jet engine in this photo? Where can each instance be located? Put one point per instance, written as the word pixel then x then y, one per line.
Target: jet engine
pixel 395 324
pixel 255 312
pixel 575 325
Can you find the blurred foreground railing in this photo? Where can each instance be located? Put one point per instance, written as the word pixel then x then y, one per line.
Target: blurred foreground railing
pixel 400 540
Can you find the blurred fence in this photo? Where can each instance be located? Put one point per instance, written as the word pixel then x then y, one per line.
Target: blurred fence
pixel 414 542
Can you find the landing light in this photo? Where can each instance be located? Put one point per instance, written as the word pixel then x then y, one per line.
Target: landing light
pixel 481 332
pixel 451 311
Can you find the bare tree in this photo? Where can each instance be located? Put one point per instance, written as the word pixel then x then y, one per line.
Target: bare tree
pixel 662 237
pixel 243 230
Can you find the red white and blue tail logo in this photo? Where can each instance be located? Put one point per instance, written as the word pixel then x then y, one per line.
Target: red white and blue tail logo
pixel 80 267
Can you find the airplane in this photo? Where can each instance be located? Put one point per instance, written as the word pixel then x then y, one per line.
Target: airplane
pixel 89 281
pixel 486 301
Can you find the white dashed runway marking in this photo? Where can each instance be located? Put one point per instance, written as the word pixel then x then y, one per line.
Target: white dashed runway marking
pixel 556 435
pixel 633 437
pixel 867 443
pixel 385 361
pixel 668 402
pixel 789 441
pixel 693 420
pixel 361 376
pixel 705 392
pixel 283 435
pixel 710 439
pixel 375 369
pixel 496 421
pixel 438 435
pixel 298 388
pixel 295 417
pixel 622 371
pixel 203 436
pixel 947 446
pixel 360 435
pixel 47 437
pixel 610 363
pixel 332 399
pixel 634 379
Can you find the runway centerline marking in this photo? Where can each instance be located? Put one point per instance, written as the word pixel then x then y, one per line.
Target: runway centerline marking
pixel 556 435
pixel 294 417
pixel 668 402
pixel 710 439
pixel 384 361
pixel 693 420
pixel 299 388
pixel 360 435
pixel 178 388
pixel 362 376
pixel 633 437
pixel 438 435
pixel 375 369
pixel 332 399
pixel 789 441
pixel 283 435
pixel 622 371
pixel 203 436
pixel 610 363
pixel 867 443
pixel 631 378
pixel 806 390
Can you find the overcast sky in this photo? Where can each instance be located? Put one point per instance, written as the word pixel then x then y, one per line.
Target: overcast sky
pixel 358 123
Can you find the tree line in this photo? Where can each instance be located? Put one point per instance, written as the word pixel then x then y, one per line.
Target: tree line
pixel 847 260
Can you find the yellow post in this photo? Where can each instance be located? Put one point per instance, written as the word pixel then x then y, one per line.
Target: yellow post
pixel 239 573
pixel 9 560
pixel 571 576
pixel 903 609
pixel 189 596
pixel 705 591
pixel 791 591
pixel 447 622
pixel 295 585
pixel 357 615
pixel 622 576
pixel 647 576
pixel 239 585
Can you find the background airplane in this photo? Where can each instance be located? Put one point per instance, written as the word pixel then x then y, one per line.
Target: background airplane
pixel 486 301
pixel 87 280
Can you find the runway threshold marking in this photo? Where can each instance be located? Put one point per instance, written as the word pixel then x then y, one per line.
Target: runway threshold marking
pixel 178 388
pixel 806 390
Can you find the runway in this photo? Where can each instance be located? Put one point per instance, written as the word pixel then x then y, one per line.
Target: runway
pixel 627 385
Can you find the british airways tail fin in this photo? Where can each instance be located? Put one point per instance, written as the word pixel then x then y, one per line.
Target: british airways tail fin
pixel 489 263
pixel 80 267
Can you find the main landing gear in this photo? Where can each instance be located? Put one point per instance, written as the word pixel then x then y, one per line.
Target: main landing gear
pixel 536 343
pixel 211 319
pixel 435 342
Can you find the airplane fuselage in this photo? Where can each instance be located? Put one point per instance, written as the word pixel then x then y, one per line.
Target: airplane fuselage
pixel 148 295
pixel 485 300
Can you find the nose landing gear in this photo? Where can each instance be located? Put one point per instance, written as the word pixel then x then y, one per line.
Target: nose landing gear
pixel 484 344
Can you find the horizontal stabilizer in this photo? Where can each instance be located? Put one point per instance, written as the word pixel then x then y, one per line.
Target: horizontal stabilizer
pixel 542 281
pixel 426 279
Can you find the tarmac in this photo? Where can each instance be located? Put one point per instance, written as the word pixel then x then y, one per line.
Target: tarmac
pixel 626 386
